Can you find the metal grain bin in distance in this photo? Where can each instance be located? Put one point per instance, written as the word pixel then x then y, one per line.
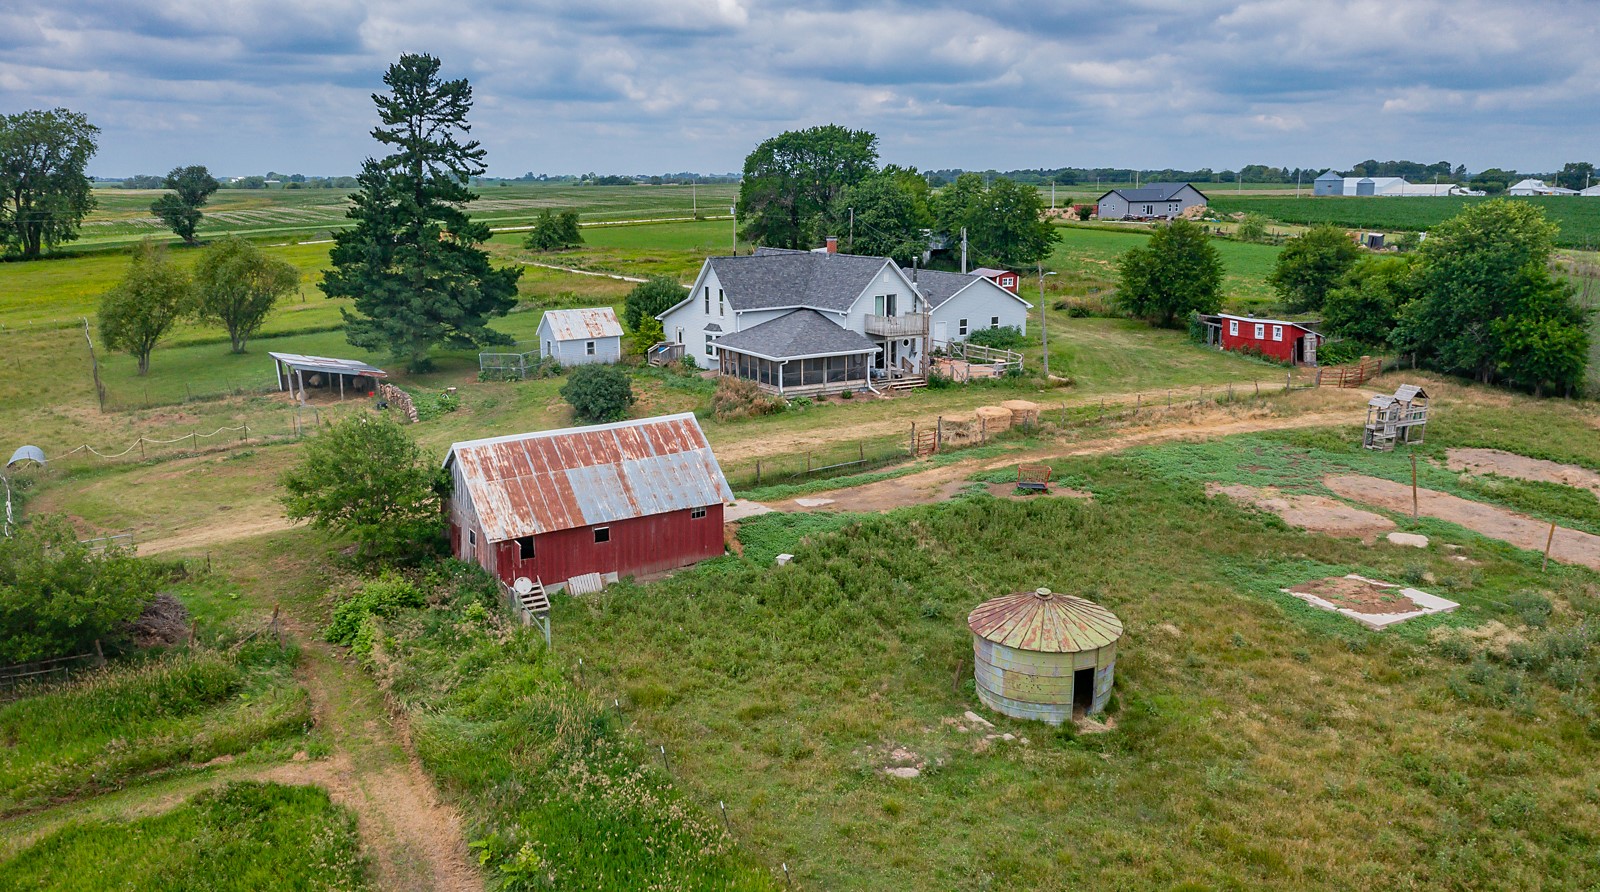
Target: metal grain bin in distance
pixel 1041 655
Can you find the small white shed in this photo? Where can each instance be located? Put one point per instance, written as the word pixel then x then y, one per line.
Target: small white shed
pixel 579 337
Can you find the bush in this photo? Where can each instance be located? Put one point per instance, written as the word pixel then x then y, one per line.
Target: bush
pixel 379 597
pixel 1341 352
pixel 937 381
pixel 599 393
pixel 1006 337
pixel 650 299
pixel 553 231
pixel 741 398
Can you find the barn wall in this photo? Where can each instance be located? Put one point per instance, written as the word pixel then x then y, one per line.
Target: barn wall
pixel 638 546
pixel 462 517
pixel 1282 350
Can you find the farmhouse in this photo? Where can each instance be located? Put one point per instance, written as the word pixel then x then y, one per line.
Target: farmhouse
pixel 804 322
pixel 960 305
pixel 1293 342
pixel 579 337
pixel 1163 201
pixel 620 499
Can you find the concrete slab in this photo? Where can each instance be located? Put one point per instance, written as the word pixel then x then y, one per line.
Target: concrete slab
pixel 743 509
pixel 1425 603
pixel 1415 540
pixel 813 503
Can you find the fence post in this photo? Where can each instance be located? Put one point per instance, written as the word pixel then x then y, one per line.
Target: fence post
pixel 194 441
pixel 1138 401
pixel 938 433
pixel 808 464
pixel 758 472
pixel 861 452
pixel 141 448
pixel 913 439
pixel 1288 376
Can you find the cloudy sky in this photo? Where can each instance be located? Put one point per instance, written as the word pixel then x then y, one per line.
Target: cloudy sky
pixel 625 86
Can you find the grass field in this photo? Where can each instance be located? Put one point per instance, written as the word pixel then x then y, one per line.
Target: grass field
pixel 244 836
pixel 1086 259
pixel 1578 218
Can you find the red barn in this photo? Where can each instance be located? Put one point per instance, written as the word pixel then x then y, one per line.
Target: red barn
pixel 1003 277
pixel 1292 342
pixel 620 499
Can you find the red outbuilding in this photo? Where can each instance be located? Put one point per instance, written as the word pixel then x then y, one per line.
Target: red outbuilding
pixel 620 499
pixel 1293 342
pixel 1003 277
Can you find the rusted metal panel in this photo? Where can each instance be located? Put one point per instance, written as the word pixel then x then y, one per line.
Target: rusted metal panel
pixel 1045 621
pixel 583 324
pixel 544 482
pixel 1040 655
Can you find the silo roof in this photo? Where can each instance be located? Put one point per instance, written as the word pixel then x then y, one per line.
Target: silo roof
pixel 1046 622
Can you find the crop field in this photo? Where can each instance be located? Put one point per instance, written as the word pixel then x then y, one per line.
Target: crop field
pixel 1579 218
pixel 123 215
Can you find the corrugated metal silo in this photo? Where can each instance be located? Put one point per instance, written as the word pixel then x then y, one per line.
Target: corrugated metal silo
pixel 1042 655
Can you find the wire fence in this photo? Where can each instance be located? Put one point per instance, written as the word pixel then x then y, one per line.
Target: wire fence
pixel 299 422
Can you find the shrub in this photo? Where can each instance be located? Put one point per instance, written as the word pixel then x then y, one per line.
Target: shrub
pixel 1006 337
pixel 650 299
pixel 848 395
pixel 741 398
pixel 1341 352
pixel 599 393
pixel 937 381
pixel 554 231
pixel 380 596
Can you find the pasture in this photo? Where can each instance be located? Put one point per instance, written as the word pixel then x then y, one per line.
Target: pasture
pixel 1579 218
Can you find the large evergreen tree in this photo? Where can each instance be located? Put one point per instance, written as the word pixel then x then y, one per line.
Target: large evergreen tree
pixel 790 179
pixel 412 262
pixel 44 193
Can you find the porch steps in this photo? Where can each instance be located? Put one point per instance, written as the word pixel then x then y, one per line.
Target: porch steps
pixel 536 600
pixel 910 383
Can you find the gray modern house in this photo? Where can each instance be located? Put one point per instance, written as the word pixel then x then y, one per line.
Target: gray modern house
pixel 1153 201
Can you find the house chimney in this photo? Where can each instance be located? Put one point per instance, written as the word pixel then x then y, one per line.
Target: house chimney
pixel 833 244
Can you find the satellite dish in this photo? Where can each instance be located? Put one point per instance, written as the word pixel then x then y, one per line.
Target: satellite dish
pixel 523 585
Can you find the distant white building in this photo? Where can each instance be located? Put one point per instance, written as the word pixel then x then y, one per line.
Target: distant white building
pixel 1331 183
pixel 1591 192
pixel 1537 187
pixel 580 337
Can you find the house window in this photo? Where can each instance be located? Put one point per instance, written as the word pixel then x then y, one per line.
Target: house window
pixel 1233 326
pixel 1277 332
pixel 722 304
pixel 588 348
pixel 706 293
pixel 961 328
pixel 1148 209
pixel 1261 330
pixel 472 538
pixel 709 351
pixel 994 321
pixel 883 305
pixel 524 548
pixel 1007 281
pixel 602 534
pixel 697 513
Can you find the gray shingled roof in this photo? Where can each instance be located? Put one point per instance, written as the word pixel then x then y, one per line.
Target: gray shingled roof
pixel 1151 192
pixel 801 333
pixel 938 286
pixel 778 278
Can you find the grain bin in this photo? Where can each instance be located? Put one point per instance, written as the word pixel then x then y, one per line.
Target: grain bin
pixel 1042 655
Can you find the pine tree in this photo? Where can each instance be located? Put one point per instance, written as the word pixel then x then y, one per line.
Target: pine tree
pixel 412 262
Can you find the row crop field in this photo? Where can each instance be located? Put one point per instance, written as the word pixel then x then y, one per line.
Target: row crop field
pixel 1579 218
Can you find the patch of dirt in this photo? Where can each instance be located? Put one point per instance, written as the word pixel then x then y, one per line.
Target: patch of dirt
pixel 1569 546
pixel 730 539
pixel 1509 464
pixel 1318 514
pixel 222 530
pixel 1010 491
pixel 165 621
pixel 1360 595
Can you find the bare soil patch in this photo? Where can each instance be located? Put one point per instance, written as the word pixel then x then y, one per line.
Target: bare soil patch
pixel 226 529
pixel 1360 595
pixel 1569 546
pixel 1319 514
pixel 1009 490
pixel 1509 464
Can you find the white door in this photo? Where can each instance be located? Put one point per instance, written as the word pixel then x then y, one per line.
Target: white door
pixel 941 333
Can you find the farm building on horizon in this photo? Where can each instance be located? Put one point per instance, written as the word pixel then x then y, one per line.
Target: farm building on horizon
pixel 1153 201
pixel 1331 183
pixel 623 499
pixel 580 337
pixel 1539 187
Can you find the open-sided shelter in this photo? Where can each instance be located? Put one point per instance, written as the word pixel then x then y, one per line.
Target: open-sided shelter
pixel 296 372
pixel 621 499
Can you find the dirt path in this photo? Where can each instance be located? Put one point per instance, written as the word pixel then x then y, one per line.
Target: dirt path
pixel 1509 464
pixel 1318 514
pixel 215 534
pixel 1569 546
pixel 940 483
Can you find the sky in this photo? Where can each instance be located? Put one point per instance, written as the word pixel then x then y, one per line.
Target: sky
pixel 656 86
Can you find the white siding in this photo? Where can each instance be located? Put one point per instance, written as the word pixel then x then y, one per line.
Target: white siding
pixel 979 303
pixel 576 352
pixel 692 317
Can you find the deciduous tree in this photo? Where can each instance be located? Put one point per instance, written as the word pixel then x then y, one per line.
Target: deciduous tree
pixel 365 478
pixel 44 193
pixel 1545 341
pixel 191 188
pixel 1576 175
pixel 791 178
pixel 412 261
pixel 1004 220
pixel 152 296
pixel 1177 273
pixel 1365 303
pixel 1312 264
pixel 554 231
pixel 883 215
pixel 651 298
pixel 236 286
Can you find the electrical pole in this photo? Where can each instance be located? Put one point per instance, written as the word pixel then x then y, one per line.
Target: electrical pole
pixel 1044 330
pixel 852 230
pixel 963 250
pixel 734 213
pixel 694 199
pixel 1052 193
pixel 1297 184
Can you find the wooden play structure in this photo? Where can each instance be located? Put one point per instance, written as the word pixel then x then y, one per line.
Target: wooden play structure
pixel 1401 418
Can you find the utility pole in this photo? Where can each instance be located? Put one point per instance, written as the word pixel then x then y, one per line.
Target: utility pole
pixel 1297 184
pixel 734 213
pixel 1044 330
pixel 963 250
pixel 852 230
pixel 1052 193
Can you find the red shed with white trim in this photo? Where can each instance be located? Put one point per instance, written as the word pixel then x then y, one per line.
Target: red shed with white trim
pixel 619 499
pixel 1280 339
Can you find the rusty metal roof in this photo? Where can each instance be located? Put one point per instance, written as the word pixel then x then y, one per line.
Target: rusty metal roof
pixel 582 325
pixel 529 484
pixel 1045 621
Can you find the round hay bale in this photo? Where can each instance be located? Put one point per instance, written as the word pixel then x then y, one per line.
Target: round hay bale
pixel 993 419
pixel 1022 411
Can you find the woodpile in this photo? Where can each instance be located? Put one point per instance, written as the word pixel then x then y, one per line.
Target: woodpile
pixel 398 399
pixel 1024 413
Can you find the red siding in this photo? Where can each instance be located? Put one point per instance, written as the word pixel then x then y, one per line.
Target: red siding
pixel 638 546
pixel 1283 350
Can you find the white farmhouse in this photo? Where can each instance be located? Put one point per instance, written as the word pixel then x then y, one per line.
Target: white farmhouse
pixel 961 304
pixel 804 322
pixel 579 337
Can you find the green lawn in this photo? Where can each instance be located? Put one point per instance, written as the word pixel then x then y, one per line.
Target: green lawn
pixel 1086 260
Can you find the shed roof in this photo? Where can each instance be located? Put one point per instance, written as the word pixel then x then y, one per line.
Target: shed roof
pixel 989 272
pixel 328 364
pixel 802 333
pixel 1305 324
pixel 772 278
pixel 1046 622
pixel 529 484
pixel 937 286
pixel 582 325
pixel 1405 393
